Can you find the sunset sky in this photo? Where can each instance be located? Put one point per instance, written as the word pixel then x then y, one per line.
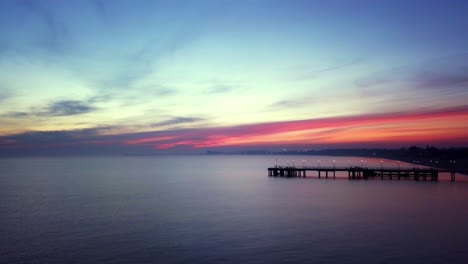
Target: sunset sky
pixel 121 77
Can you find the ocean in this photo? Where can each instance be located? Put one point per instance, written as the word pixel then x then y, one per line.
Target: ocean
pixel 222 209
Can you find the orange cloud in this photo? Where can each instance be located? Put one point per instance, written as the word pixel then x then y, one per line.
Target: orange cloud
pixel 446 125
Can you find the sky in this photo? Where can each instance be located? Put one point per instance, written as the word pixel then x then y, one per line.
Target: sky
pixel 135 77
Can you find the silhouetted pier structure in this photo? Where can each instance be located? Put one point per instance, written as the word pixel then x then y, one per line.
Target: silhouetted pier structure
pixel 362 173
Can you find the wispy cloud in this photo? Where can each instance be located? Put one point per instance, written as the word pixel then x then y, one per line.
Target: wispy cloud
pixel 100 98
pixel 220 89
pixel 294 103
pixel 307 73
pixel 447 72
pixel 59 108
pixel 146 60
pixel 177 120
pixel 56 31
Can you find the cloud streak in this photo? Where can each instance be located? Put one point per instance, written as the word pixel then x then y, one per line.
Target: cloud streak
pixel 56 32
pixel 56 109
pixel 315 131
pixel 444 126
pixel 339 66
pixel 449 72
pixel 291 103
pixel 439 81
pixel 222 89
pixel 177 120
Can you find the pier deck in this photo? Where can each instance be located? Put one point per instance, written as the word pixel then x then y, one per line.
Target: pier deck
pixel 364 173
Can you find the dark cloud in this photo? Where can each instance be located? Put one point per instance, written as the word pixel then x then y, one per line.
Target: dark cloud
pixel 178 120
pixel 71 142
pixel 67 108
pixel 79 136
pixel 46 137
pixel 16 114
pixel 59 108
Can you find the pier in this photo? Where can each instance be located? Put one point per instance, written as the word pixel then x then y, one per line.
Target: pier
pixel 362 173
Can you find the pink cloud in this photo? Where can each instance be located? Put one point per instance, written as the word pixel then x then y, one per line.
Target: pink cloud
pixel 434 125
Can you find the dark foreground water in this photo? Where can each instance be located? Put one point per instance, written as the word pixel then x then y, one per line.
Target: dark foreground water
pixel 221 209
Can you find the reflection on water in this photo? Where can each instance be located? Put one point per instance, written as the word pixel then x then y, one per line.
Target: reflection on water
pixel 205 209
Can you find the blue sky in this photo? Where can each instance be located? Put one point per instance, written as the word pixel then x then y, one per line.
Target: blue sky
pixel 130 68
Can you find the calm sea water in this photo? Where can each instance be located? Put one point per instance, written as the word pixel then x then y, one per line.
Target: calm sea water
pixel 221 209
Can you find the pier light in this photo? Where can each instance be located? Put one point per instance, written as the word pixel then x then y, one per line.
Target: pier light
pixel 452 163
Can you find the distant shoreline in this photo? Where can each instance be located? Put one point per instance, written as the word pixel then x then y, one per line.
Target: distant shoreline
pixel 452 158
